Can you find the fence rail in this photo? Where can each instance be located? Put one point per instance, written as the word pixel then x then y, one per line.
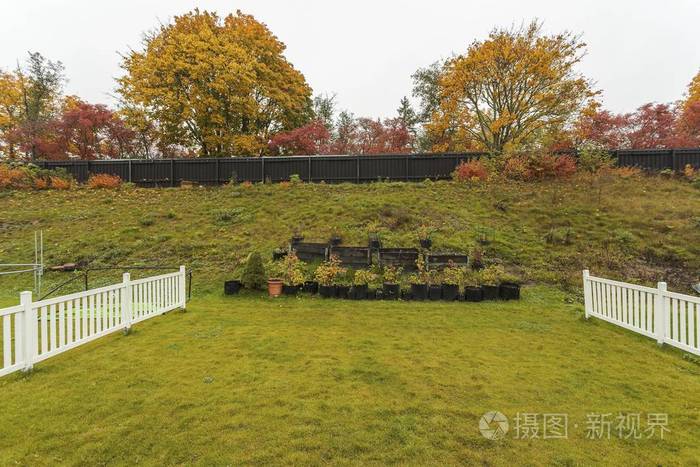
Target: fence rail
pixel 357 169
pixel 35 331
pixel 669 317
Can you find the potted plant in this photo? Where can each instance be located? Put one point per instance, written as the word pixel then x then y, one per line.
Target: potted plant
pixel 279 253
pixel 310 287
pixel 253 276
pixel 391 289
pixel 472 291
pixel 326 274
pixel 373 234
pixel 297 237
pixel 477 259
pixel 419 280
pixel 361 281
pixel 434 288
pixel 424 233
pixel 452 278
pixel 232 287
pixel 509 288
pixel 490 278
pixel 335 239
pixel 274 286
pixel 292 269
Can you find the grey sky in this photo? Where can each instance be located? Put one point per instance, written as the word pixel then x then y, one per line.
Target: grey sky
pixel 365 51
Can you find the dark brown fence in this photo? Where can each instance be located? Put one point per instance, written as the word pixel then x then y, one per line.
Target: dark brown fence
pixel 331 169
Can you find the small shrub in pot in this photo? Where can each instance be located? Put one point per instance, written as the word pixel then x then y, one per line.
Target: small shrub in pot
pixel 424 236
pixel 232 287
pixel 419 280
pixel 326 275
pixel 490 278
pixel 391 288
pixel 291 269
pixel 452 278
pixel 361 281
pixel 472 291
pixel 253 276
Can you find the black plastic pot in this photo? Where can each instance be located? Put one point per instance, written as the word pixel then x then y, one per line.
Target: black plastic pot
pixel 509 291
pixel 419 291
pixel 491 292
pixel 310 287
pixel 375 243
pixel 435 292
pixel 426 243
pixel 358 292
pixel 371 294
pixel 450 292
pixel 391 291
pixel 406 295
pixel 232 287
pixel 290 289
pixel 276 255
pixel 297 239
pixel 335 241
pixel 473 294
pixel 327 291
pixel 342 291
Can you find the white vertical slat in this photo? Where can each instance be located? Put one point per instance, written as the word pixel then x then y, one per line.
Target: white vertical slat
pixel 61 324
pixel 70 322
pixel 635 308
pixel 19 338
pixel 52 326
pixel 103 311
pixel 44 331
pixel 84 313
pixel 91 318
pixel 6 341
pixel 647 310
pixel 683 310
pixel 692 338
pixel 110 309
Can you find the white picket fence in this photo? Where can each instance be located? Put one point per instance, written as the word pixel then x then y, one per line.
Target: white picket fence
pixel 669 317
pixel 35 331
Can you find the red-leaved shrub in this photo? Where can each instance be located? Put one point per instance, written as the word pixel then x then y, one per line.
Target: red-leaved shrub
pixel 472 171
pixel 104 181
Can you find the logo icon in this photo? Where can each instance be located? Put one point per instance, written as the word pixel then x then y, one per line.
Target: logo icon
pixel 493 425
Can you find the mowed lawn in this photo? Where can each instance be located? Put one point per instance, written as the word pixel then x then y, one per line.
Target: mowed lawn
pixel 312 381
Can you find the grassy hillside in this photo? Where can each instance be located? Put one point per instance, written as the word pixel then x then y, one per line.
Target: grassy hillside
pixel 638 229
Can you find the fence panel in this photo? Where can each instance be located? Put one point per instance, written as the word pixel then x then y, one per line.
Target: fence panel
pixel 211 171
pixel 34 331
pixel 668 317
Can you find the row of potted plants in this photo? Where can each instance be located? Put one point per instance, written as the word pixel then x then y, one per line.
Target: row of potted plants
pixel 330 279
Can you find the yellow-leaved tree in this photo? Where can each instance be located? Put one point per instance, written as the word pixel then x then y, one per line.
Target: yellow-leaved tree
pixel 10 113
pixel 218 86
pixel 510 90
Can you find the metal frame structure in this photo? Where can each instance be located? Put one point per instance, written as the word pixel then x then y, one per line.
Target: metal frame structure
pixel 37 267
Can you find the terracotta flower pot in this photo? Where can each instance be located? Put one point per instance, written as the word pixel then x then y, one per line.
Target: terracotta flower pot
pixel 274 287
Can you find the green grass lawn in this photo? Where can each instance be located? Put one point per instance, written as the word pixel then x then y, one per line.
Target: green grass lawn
pixel 312 381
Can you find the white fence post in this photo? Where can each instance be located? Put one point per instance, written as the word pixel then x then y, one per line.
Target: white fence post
pixel 587 305
pixel 126 302
pixel 183 292
pixel 660 313
pixel 30 330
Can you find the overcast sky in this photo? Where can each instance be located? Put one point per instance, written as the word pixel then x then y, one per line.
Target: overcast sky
pixel 365 51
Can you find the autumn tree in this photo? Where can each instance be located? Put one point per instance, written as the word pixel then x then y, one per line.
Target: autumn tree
pixel 324 110
pixel 221 86
pixel 312 138
pixel 10 114
pixel 688 123
pixel 517 84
